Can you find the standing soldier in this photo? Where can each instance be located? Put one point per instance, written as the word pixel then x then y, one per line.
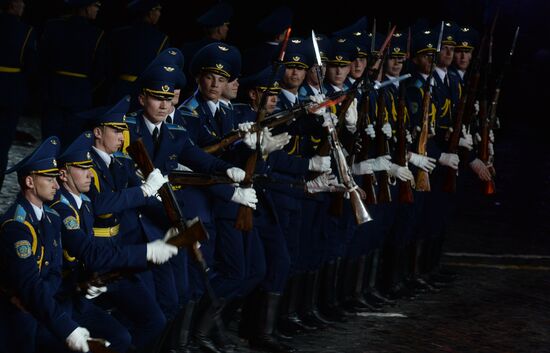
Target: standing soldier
pixel 17 63
pixel 73 57
pixel 131 48
pixel 34 310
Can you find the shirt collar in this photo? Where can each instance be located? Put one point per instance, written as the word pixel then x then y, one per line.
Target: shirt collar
pixel 172 114
pixel 395 83
pixel 213 106
pixel 315 90
pixel 38 211
pixel 461 73
pixel 103 155
pixel 336 88
pixel 150 126
pixel 290 96
pixel 441 73
pixel 226 103
pixel 77 199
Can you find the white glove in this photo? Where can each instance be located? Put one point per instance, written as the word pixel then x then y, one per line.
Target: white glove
pixel 362 168
pixel 423 162
pixel 183 168
pixel 94 292
pixel 491 149
pixel 387 130
pixel 158 252
pixel 481 169
pixel 351 116
pixel 476 107
pixel 382 163
pixel 319 164
pixel 318 98
pixel 370 131
pixel 491 136
pixel 78 340
pixel 245 127
pixel 324 183
pixel 270 143
pixel 450 160
pixel 330 119
pixel 245 196
pixel 236 174
pixel 154 182
pixel 401 173
pixel 250 140
pixel 467 142
pixel 409 137
pixel 170 233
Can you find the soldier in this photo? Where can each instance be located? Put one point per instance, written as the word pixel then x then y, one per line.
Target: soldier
pixel 73 63
pixel 85 250
pixel 17 65
pixel 131 48
pixel 32 257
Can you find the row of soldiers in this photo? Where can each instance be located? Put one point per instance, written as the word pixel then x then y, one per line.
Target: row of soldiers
pixel 298 151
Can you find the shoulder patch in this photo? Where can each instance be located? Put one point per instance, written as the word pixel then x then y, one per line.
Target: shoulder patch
pixel 64 200
pixel 23 249
pixel 119 154
pixel 85 198
pixel 130 119
pixel 20 214
pixel 71 223
pixel 54 212
pixel 175 127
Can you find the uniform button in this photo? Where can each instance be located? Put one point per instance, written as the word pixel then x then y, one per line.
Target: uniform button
pixel 139 215
pixel 47 263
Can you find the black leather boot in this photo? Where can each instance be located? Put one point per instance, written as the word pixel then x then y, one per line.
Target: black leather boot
pixel 182 329
pixel 263 337
pixel 372 295
pixel 208 325
pixel 310 315
pixel 289 323
pixel 328 305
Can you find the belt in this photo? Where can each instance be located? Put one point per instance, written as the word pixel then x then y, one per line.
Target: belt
pixel 10 70
pixel 129 78
pixel 107 232
pixel 71 74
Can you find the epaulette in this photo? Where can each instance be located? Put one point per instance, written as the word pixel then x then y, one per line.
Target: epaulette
pixel 49 210
pixel 85 198
pixel 175 127
pixel 119 154
pixel 188 113
pixel 190 105
pixel 65 201
pixel 20 214
pixel 130 120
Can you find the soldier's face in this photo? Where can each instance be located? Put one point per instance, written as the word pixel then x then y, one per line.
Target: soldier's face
pixel 176 97
pixel 76 179
pixel 223 30
pixel 231 89
pixel 446 55
pixel 17 7
pixel 92 10
pixel 358 66
pixel 394 66
pixel 108 139
pixel 256 96
pixel 312 78
pixel 154 15
pixel 336 75
pixel 462 59
pixel 43 187
pixel 155 109
pixel 211 85
pixel 294 77
pixel 423 62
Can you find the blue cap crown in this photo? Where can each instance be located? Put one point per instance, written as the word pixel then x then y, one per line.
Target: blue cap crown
pixel 217 15
pixel 78 153
pixel 42 161
pixel 295 55
pixel 111 115
pixel 218 58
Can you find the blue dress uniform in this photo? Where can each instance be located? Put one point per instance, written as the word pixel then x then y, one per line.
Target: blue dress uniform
pixel 17 64
pixel 84 254
pixel 35 311
pixel 131 48
pixel 72 54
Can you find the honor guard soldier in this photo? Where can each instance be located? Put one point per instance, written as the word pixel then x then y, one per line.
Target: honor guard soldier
pixel 215 27
pixel 85 254
pixel 39 316
pixel 272 28
pixel 72 54
pixel 312 86
pixel 131 48
pixel 17 64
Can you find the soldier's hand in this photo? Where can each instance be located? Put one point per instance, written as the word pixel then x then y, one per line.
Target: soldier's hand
pixel 94 292
pixel 154 182
pixel 466 141
pixel 324 183
pixel 450 160
pixel 270 143
pixel 351 116
pixel 382 163
pixel 170 233
pixel 423 162
pixel 158 252
pixel 319 164
pixel 401 173
pixel 236 174
pixel 370 131
pixel 245 127
pixel 387 130
pixel 362 168
pixel 408 136
pixel 481 169
pixel 78 340
pixel 250 140
pixel 245 196
pixel 318 98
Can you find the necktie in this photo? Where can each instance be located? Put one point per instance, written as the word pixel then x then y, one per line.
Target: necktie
pixel 112 167
pixel 156 139
pixel 169 119
pixel 218 118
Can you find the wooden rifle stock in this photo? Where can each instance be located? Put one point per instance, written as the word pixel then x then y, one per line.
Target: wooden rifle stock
pixel 487 187
pixel 422 176
pixel 382 149
pixel 193 234
pixel 181 178
pixel 98 345
pixel 369 180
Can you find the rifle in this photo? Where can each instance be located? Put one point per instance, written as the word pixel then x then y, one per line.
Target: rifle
pixel 274 120
pixel 488 123
pixel 98 345
pixel 369 180
pixel 422 176
pixel 181 178
pixel 244 219
pixel 405 194
pixel 382 149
